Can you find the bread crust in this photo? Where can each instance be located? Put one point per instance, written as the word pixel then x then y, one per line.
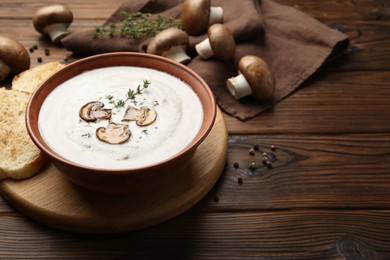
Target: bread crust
pixel 29 80
pixel 19 157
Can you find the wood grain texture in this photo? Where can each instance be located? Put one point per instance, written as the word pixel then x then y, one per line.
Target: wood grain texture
pixel 308 171
pixel 230 235
pixel 330 102
pixel 327 196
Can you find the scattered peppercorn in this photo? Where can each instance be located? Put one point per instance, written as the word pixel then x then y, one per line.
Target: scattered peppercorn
pixel 252 151
pixel 47 52
pixel 236 165
pixel 256 147
pixel 269 164
pixel 35 47
pixel 265 158
pixel 273 147
pixel 240 180
pixel 265 154
pixel 252 166
pixel 31 50
pixel 39 59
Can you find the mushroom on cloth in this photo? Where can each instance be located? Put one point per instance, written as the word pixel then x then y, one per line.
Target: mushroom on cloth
pixel 53 20
pixel 13 57
pixel 197 15
pixel 254 78
pixel 172 44
pixel 220 43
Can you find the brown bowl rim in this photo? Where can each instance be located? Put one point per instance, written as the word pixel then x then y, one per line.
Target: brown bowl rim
pixel 35 135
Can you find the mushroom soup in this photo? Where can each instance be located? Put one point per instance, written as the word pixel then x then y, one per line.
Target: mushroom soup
pixel 120 117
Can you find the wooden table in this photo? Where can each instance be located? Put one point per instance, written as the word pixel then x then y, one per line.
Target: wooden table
pixel 327 195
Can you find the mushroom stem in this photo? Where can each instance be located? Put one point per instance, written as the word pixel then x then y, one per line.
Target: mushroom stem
pixel 238 86
pixel 216 15
pixel 177 53
pixel 204 49
pixel 57 31
pixel 4 70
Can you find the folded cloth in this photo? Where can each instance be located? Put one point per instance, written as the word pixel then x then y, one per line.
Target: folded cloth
pixel 293 44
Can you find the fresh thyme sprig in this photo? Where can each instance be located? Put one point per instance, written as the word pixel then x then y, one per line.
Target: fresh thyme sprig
pixel 129 96
pixel 137 25
pixel 88 135
pixel 132 93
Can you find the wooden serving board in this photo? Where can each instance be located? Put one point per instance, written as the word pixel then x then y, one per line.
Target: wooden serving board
pixel 51 199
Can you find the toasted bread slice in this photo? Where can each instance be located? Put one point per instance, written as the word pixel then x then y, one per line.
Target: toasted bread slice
pixel 19 157
pixel 29 80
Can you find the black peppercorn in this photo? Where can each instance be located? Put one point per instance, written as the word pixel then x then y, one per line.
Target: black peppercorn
pixel 252 166
pixel 269 164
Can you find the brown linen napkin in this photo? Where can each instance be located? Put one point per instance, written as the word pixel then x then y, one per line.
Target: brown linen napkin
pixel 294 45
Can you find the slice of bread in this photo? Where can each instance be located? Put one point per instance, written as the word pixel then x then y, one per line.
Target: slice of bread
pixel 29 80
pixel 19 157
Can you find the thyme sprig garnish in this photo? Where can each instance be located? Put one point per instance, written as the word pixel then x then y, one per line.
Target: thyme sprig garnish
pixel 88 135
pixel 131 93
pixel 137 25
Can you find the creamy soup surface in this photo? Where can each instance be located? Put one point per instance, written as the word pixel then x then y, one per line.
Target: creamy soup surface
pixel 179 117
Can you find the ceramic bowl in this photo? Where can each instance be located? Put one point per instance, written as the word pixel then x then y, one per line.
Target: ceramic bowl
pixel 126 179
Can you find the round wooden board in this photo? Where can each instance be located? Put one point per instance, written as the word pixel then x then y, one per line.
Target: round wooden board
pixel 51 199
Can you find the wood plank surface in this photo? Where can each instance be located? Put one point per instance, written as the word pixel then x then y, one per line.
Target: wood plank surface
pixel 327 195
pixel 233 235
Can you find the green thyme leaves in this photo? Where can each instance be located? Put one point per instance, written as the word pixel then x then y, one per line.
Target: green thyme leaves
pixel 137 25
pixel 131 93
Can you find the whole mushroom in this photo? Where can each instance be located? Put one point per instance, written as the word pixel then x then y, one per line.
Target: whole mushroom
pixel 172 44
pixel 254 78
pixel 13 57
pixel 53 20
pixel 197 15
pixel 220 43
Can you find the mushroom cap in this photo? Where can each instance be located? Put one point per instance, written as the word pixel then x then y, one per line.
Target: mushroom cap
pixel 258 75
pixel 93 111
pixel 51 14
pixel 166 39
pixel 222 42
pixel 113 133
pixel 143 116
pixel 195 15
pixel 14 54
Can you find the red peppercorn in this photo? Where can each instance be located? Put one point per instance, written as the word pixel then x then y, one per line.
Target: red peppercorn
pixel 273 147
